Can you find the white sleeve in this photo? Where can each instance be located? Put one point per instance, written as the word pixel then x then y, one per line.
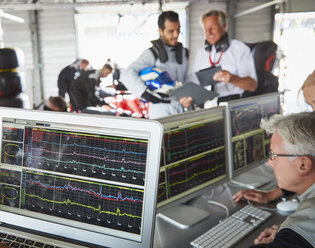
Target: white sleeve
pixel 130 76
pixel 195 67
pixel 245 63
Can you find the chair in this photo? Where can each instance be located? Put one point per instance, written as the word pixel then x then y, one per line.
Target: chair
pixel 264 54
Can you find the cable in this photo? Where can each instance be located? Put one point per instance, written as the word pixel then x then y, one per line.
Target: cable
pixel 220 205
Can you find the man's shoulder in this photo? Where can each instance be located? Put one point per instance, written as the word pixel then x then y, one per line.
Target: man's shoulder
pixel 240 45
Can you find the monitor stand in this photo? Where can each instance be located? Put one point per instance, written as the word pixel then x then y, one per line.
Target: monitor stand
pixel 183 216
pixel 255 178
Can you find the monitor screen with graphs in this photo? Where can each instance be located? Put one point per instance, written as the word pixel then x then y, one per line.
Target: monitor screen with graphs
pixel 89 178
pixel 193 155
pixel 248 143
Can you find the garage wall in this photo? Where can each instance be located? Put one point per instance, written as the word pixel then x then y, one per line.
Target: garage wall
pixel 257 26
pixel 58 45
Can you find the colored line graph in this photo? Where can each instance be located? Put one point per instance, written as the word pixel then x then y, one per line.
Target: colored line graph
pixel 191 141
pixel 9 195
pixel 191 173
pixel 98 209
pixel 11 153
pixel 12 133
pixel 117 207
pixel 105 157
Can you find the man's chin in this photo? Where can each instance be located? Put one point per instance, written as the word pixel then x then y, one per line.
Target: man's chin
pixel 172 43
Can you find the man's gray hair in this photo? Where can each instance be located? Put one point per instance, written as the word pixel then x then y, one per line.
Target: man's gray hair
pixel 222 18
pixel 296 130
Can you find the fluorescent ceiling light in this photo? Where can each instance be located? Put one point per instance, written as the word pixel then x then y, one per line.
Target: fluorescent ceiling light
pixel 11 17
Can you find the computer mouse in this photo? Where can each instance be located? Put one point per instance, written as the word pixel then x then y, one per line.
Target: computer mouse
pixel 287 206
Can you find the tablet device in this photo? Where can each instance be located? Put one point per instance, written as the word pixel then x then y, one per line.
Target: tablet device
pixel 197 92
pixel 205 76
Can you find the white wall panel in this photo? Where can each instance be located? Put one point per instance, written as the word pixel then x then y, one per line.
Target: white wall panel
pixel 58 45
pixel 255 26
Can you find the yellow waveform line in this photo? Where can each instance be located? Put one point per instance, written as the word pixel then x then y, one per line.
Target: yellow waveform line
pixel 6 153
pixel 196 174
pixel 9 198
pixel 87 135
pixel 6 174
pixel 68 201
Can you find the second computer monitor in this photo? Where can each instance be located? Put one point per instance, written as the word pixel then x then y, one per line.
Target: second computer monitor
pixel 248 144
pixel 193 155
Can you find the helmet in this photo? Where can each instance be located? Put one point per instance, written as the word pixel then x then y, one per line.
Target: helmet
pixel 157 80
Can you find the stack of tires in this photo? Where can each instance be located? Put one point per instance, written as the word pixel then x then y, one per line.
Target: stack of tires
pixel 11 81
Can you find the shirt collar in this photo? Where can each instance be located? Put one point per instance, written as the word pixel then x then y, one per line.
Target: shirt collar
pixel 309 193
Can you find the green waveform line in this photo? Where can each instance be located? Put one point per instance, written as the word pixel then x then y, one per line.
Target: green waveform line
pixel 82 163
pixel 170 154
pixel 6 174
pixel 68 201
pixel 196 174
pixel 84 181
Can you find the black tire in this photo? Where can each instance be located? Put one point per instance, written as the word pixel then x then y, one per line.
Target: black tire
pixel 10 84
pixel 19 101
pixel 10 58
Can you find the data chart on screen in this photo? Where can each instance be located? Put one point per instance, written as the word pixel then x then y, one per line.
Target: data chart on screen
pixel 74 174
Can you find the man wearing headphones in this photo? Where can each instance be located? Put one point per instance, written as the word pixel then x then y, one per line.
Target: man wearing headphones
pixel 237 72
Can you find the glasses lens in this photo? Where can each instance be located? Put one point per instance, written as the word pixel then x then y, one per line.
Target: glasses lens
pixel 271 155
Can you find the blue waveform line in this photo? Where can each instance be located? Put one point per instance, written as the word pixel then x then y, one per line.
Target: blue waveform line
pixel 97 148
pixel 122 169
pixel 99 194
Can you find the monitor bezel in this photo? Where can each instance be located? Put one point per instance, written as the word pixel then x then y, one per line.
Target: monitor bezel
pixel 154 131
pixel 207 188
pixel 231 104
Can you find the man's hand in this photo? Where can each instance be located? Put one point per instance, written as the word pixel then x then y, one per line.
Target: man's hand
pixel 3 245
pixel 185 101
pixel 223 76
pixel 252 195
pixel 257 195
pixel 267 235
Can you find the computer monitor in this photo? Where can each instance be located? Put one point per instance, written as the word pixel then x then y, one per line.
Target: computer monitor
pixel 90 178
pixel 248 144
pixel 193 155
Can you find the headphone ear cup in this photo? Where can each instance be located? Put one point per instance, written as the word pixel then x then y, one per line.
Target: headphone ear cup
pixel 207 46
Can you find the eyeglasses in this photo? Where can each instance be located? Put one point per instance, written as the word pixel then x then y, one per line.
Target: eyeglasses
pixel 272 156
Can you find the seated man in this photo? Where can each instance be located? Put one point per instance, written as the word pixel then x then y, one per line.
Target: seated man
pixel 82 90
pixel 238 69
pixel 292 155
pixel 308 90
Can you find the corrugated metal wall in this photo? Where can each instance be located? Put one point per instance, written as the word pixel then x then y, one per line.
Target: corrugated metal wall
pixel 58 45
pixel 253 27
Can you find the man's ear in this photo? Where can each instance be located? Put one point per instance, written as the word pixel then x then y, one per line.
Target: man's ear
pixel 305 166
pixel 160 32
